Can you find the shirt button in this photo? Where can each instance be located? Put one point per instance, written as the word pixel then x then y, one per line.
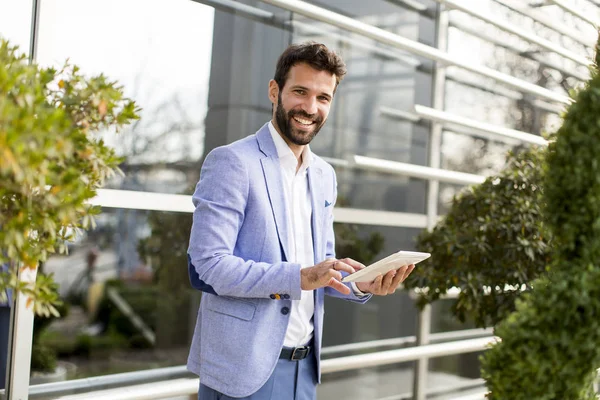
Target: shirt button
pixel 286 296
pixel 285 310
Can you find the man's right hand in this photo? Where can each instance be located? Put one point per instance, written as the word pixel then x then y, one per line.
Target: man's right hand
pixel 326 273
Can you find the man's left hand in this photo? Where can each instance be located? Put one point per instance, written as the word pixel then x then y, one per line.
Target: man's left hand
pixel 388 283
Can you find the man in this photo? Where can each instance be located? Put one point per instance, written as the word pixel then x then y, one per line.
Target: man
pixel 262 245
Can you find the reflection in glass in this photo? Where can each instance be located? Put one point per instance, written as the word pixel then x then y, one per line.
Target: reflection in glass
pixel 133 259
pixel 160 52
pixel 15 23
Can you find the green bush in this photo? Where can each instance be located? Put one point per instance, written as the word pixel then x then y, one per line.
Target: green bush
pixel 492 241
pixel 51 162
pixel 143 301
pixel 99 346
pixel 550 345
pixel 43 358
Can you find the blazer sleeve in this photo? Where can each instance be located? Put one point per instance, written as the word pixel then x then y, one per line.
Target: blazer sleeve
pixel 330 252
pixel 220 200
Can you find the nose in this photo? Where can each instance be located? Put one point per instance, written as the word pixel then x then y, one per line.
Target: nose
pixel 310 105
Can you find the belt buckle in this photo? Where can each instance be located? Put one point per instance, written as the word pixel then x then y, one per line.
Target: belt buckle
pixel 299 353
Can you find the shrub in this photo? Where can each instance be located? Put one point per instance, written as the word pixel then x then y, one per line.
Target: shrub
pixel 549 348
pixel 491 242
pixel 43 358
pixel 51 162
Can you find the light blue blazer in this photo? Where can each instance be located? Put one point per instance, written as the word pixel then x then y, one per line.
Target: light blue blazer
pixel 237 257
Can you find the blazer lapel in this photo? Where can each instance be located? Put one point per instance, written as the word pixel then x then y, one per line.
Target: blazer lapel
pixel 274 181
pixel 317 197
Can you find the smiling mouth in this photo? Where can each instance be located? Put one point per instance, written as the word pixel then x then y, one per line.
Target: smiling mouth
pixel 303 122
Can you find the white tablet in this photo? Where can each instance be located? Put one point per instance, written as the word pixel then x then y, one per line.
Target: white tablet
pixel 393 261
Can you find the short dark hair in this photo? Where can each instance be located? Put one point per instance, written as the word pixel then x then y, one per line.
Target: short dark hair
pixel 317 55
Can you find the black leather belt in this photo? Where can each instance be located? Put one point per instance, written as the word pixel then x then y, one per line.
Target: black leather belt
pixel 295 354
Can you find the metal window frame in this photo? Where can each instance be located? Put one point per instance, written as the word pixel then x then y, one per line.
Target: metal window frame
pixel 397 41
pixel 21 314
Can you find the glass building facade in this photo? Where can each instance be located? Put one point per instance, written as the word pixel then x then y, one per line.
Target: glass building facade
pixel 200 70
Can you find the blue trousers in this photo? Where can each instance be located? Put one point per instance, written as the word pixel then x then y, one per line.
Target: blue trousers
pixel 291 380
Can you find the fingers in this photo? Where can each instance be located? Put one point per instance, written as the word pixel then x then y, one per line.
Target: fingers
pixel 398 279
pixel 342 266
pixel 353 263
pixel 410 269
pixel 339 286
pixel 390 282
pixel 387 280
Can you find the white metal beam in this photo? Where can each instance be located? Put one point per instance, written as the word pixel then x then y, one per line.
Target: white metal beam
pixel 133 200
pixel 189 386
pixel 574 11
pixel 397 41
pixel 410 4
pixel 475 396
pixel 547 21
pixel 399 114
pixel 19 364
pixel 149 391
pixel 408 116
pixel 452 119
pixel 382 218
pixel 408 354
pixel 515 30
pixel 417 171
pixel 406 59
pixel 521 50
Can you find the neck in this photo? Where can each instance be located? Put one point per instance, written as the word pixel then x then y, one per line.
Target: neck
pixel 296 149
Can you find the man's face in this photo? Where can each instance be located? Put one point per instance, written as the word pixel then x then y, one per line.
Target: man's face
pixel 301 107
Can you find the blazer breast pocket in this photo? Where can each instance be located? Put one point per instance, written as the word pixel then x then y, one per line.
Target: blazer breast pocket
pixel 241 309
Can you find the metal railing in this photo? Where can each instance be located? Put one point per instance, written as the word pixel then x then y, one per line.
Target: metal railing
pixel 175 381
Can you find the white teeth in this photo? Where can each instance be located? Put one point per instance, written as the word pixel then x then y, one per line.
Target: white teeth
pixel 303 121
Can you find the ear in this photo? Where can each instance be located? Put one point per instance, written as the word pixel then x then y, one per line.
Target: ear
pixel 273 91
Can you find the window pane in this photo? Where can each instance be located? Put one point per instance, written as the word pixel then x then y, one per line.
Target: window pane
pixel 160 52
pixel 133 258
pixel 15 22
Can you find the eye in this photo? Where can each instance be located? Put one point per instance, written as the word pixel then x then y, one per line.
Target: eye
pixel 300 91
pixel 324 99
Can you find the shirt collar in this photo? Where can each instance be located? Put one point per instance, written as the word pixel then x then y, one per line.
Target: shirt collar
pixel 286 156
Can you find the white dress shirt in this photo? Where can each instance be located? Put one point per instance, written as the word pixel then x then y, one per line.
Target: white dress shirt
pixel 297 197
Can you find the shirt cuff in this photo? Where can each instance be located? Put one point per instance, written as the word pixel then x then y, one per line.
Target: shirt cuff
pixel 356 291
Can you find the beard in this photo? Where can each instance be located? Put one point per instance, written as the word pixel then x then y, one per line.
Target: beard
pixel 296 136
